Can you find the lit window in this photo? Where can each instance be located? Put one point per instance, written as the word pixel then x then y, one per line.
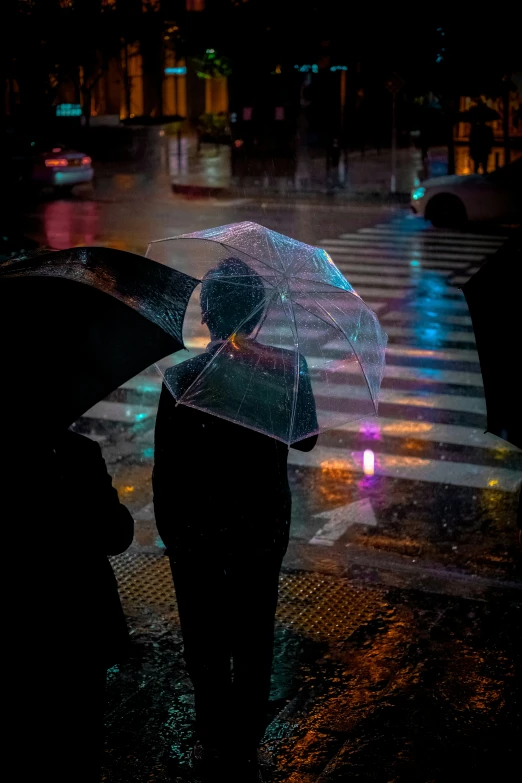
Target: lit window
pixel 195 5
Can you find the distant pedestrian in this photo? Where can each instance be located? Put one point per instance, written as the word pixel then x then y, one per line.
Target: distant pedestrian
pixel 334 158
pixel 481 142
pixel 226 528
pixel 66 624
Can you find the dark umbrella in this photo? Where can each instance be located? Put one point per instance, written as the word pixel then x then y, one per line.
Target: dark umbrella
pixel 493 297
pixel 481 112
pixel 78 323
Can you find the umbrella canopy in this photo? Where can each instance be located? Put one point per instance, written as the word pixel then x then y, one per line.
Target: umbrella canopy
pixel 493 297
pixel 481 112
pixel 277 328
pixel 78 323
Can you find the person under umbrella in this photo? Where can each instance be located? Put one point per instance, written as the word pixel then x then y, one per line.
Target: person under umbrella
pixel 227 534
pixel 481 140
pixel 75 325
pixel 272 312
pixel 492 295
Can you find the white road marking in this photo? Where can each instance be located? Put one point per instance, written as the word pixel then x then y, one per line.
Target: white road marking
pixel 441 242
pixel 460 474
pixel 400 271
pixel 407 315
pixel 432 234
pixel 415 399
pixel 420 255
pixel 427 330
pixel 342 257
pixel 341 518
pixel 452 354
pixel 356 240
pixel 119 411
pixel 442 434
pixel 461 279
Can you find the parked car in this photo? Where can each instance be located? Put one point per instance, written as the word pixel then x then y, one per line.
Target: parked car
pixel 40 163
pixel 453 200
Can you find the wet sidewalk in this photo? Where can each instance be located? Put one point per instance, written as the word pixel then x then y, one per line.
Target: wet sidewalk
pixel 365 174
pixel 370 682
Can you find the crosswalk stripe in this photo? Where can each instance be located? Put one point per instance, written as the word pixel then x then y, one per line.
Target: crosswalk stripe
pixel 461 279
pixel 449 355
pixel 460 474
pixel 401 271
pixel 410 247
pixel 398 315
pixel 120 412
pixel 415 399
pixel 384 228
pixel 361 279
pixel 420 255
pixel 454 434
pixel 418 240
pixel 383 293
pixel 425 331
pixel 397 264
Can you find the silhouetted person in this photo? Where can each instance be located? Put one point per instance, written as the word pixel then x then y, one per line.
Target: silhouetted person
pixel 62 517
pixel 222 504
pixel 481 141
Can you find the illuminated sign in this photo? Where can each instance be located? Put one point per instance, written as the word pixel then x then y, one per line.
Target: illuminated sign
pixel 307 68
pixel 68 110
pixel 179 70
pixel 338 67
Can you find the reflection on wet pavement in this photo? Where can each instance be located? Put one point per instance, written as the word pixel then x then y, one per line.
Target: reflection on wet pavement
pixel 398 626
pixel 368 683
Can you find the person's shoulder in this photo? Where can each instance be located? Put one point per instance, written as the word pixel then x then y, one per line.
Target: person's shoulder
pixel 177 378
pixel 187 368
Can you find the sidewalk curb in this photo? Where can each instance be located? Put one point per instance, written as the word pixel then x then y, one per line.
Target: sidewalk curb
pixel 208 191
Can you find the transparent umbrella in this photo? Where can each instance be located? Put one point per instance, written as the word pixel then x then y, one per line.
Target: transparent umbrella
pixel 281 342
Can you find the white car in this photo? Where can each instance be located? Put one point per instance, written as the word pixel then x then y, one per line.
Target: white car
pixel 39 162
pixel 453 200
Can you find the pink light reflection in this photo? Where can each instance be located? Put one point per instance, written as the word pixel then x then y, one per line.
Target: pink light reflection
pixel 371 430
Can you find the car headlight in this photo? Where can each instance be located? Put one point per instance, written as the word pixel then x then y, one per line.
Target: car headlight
pixel 418 193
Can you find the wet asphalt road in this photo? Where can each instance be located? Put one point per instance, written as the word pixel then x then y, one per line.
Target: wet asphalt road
pixel 397 630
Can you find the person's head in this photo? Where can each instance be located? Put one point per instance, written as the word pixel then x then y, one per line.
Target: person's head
pixel 230 293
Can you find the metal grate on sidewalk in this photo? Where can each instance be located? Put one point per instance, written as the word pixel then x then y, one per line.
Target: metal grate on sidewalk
pixel 318 606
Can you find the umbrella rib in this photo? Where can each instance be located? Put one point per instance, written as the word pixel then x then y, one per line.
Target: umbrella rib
pixel 296 372
pixel 262 321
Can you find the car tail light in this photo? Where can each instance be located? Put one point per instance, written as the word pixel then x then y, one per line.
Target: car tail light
pixel 86 161
pixel 54 162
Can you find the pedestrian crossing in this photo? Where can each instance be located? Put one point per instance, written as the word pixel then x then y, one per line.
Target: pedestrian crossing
pixel 430 430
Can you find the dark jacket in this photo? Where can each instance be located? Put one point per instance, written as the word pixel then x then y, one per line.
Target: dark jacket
pixel 230 482
pixel 63 517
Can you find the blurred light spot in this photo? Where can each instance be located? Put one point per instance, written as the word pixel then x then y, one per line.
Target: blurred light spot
pixel 414 263
pixel 368 462
pixel 371 430
pixel 493 483
pixel 407 427
pixel 148 453
pixel 128 488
